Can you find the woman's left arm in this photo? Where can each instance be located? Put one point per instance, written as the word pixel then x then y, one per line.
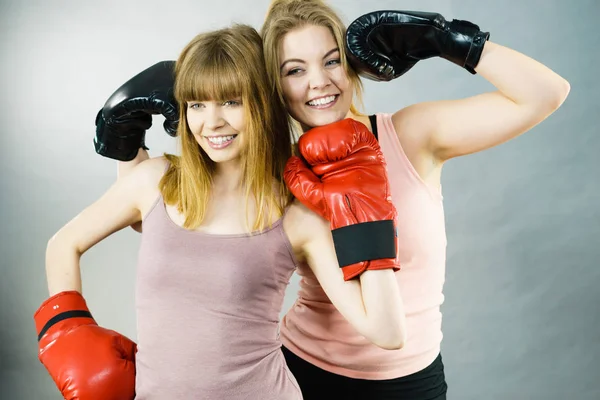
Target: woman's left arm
pixel 528 92
pixel 371 303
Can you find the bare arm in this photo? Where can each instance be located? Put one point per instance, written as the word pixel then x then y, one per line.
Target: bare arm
pixel 372 304
pixel 117 208
pixel 528 92
pixel 125 167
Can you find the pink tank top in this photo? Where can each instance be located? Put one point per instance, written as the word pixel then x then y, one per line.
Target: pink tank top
pixel 208 312
pixel 315 331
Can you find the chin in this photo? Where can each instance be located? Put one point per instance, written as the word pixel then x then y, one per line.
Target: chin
pixel 322 118
pixel 220 160
pixel 221 156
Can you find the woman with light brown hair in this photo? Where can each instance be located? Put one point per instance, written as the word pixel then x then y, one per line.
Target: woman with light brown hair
pixel 213 263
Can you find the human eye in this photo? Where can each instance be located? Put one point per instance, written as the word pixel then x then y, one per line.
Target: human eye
pixel 293 71
pixel 195 105
pixel 232 103
pixel 333 62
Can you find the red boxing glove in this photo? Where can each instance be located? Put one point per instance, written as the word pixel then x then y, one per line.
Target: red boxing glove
pixel 86 361
pixel 347 185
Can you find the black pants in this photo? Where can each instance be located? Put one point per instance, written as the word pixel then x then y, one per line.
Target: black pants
pixel 318 384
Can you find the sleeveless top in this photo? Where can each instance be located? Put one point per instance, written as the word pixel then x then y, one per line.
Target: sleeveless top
pixel 208 312
pixel 314 330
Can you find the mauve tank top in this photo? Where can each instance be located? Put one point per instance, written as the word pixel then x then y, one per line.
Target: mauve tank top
pixel 208 312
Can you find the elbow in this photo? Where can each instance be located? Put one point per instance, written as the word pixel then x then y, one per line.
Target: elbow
pixel 56 241
pixel 390 336
pixel 53 242
pixel 392 341
pixel 545 95
pixel 561 91
pixel 556 95
pixel 60 244
pixel 547 102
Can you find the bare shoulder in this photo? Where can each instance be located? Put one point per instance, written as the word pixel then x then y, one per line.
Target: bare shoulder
pixel 303 225
pixel 146 175
pixel 413 123
pixel 145 178
pixel 151 170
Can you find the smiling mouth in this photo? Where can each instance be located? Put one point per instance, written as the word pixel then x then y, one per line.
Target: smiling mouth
pixel 323 102
pixel 220 139
pixel 219 142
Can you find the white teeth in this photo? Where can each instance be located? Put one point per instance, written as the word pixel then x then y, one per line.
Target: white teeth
pixel 220 139
pixel 322 101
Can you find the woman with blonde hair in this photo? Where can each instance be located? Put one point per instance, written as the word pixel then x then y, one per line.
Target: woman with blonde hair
pixel 308 52
pixel 220 241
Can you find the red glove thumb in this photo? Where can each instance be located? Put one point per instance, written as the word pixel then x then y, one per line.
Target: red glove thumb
pixel 305 185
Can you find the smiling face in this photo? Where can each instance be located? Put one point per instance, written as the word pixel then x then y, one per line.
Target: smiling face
pixel 314 83
pixel 218 127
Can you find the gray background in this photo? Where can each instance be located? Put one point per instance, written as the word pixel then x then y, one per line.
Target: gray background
pixel 520 317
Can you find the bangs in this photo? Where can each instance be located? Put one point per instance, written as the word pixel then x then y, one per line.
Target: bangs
pixel 210 77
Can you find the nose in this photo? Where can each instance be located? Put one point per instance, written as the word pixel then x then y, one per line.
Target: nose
pixel 319 78
pixel 213 117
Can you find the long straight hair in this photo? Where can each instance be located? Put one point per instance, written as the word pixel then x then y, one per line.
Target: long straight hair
pixel 222 65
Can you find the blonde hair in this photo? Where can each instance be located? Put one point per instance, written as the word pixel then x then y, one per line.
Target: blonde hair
pixel 284 16
pixel 223 65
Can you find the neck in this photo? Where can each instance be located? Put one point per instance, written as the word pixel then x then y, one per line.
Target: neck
pixel 228 176
pixel 352 115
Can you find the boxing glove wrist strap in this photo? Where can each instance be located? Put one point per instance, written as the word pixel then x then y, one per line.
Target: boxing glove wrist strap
pixel 467 44
pixel 364 242
pixel 62 316
pixel 62 306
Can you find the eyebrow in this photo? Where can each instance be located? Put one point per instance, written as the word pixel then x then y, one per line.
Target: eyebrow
pixel 330 52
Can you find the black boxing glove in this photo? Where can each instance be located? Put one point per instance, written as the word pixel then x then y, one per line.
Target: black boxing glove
pixel 122 123
pixel 383 45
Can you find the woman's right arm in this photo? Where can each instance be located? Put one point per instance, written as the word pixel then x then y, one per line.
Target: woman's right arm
pixel 117 208
pixel 83 358
pixel 125 168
